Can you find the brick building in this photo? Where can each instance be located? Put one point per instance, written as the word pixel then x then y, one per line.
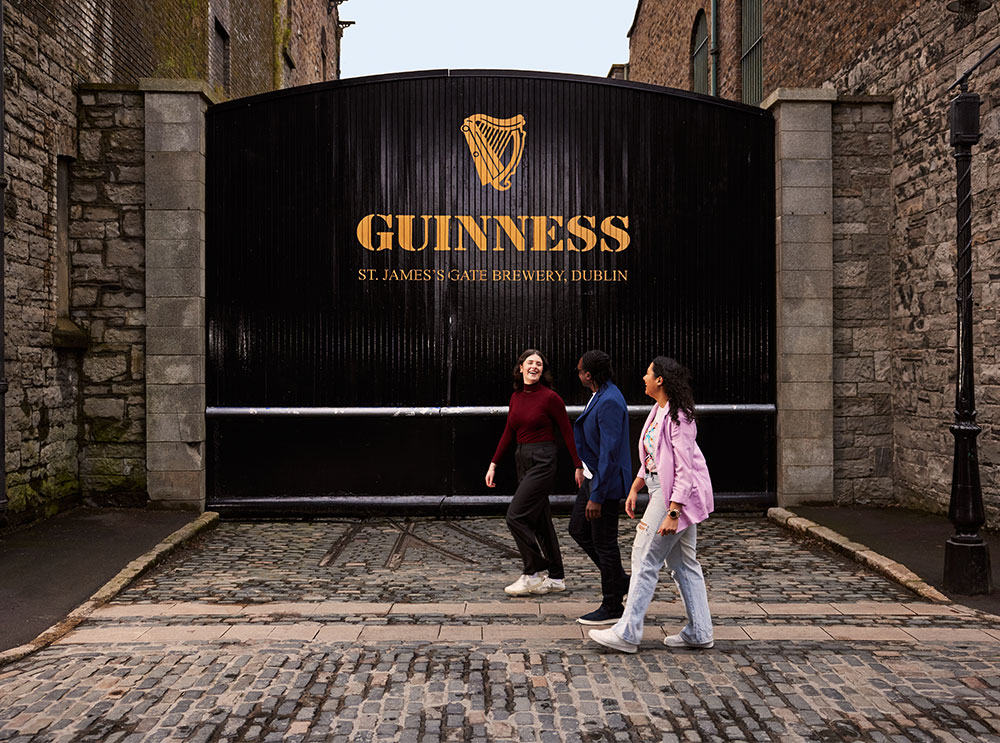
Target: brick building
pixel 866 227
pixel 92 91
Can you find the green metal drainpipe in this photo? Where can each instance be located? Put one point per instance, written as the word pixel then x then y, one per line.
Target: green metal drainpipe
pixel 713 50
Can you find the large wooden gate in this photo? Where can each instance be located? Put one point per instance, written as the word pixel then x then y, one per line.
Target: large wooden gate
pixel 380 250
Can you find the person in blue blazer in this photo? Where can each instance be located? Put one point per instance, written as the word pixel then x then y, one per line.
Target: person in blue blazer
pixel 602 441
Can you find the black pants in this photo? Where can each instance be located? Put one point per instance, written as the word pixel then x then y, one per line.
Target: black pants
pixel 599 539
pixel 529 516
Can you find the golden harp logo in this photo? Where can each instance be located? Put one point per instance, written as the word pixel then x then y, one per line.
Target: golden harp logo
pixel 496 146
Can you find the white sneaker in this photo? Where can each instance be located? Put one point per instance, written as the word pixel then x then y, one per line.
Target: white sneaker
pixel 526 584
pixel 610 639
pixel 676 641
pixel 551 585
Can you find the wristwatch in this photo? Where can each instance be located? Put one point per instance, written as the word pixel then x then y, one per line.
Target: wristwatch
pixel 674 513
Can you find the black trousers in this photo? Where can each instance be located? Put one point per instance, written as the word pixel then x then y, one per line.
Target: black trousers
pixel 529 516
pixel 599 539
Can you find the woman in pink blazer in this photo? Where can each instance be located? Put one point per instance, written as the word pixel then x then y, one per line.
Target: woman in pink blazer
pixel 680 497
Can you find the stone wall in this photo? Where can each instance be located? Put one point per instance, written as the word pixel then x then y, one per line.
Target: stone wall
pixel 75 351
pixel 916 63
pixel 107 250
pixel 862 356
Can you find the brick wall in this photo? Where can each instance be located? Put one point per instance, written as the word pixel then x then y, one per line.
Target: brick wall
pixel 806 43
pixel 862 359
pixel 307 32
pixel 660 43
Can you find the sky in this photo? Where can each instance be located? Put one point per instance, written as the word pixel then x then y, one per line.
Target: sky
pixel 583 37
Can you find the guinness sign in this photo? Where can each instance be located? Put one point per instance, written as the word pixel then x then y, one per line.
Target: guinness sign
pixel 393 243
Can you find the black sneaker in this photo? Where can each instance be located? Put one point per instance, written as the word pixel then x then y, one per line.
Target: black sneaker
pixel 602 615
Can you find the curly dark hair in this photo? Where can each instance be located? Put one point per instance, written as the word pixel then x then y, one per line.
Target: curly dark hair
pixel 546 378
pixel 677 385
pixel 598 364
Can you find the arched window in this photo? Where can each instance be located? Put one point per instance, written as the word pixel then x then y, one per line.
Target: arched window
pixel 699 54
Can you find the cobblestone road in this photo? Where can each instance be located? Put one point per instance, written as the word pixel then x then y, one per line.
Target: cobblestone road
pixel 350 631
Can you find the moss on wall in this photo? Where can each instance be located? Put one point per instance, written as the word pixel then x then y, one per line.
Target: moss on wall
pixel 180 38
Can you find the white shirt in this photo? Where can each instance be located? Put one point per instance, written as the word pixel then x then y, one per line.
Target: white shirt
pixel 586 470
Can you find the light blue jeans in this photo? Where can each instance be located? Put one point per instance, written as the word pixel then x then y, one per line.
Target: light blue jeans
pixel 649 552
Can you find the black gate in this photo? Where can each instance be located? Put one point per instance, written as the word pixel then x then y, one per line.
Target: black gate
pixel 380 250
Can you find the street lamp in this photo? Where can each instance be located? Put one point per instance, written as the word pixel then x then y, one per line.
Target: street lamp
pixel 966 555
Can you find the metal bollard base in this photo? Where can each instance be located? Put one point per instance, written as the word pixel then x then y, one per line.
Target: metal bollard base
pixel 967 566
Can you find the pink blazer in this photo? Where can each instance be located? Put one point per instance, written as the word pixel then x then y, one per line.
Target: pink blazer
pixel 681 467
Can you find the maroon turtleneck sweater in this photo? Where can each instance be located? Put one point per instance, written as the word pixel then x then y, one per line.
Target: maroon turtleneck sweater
pixel 535 413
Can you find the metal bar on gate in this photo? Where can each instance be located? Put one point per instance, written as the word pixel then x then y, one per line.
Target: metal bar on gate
pixel 471 411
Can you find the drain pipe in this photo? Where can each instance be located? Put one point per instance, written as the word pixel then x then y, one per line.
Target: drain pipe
pixel 3 271
pixel 713 50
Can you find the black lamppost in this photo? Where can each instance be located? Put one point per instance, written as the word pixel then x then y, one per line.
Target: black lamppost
pixel 966 555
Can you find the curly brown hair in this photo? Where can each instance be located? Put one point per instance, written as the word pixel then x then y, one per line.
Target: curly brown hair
pixel 677 385
pixel 546 379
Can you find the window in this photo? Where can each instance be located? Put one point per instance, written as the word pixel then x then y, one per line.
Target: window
pixel 751 63
pixel 699 54
pixel 219 62
pixel 322 50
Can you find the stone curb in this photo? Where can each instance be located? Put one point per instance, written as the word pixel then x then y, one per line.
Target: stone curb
pixel 858 552
pixel 112 588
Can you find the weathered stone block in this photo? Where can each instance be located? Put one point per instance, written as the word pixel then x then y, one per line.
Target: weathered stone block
pixel 174 108
pixel 175 369
pixel 806 257
pixel 805 312
pixel 810 424
pixel 181 490
pixel 175 282
pixel 174 225
pixel 104 407
pixel 175 166
pixel 806 284
pixel 805 174
pixel 189 253
pixel 794 340
pixel 798 228
pixel 175 341
pixel 800 200
pixel 804 145
pixel 806 452
pixel 805 484
pixel 183 427
pixel 806 117
pixel 175 398
pixel 805 368
pixel 176 311
pixel 175 456
pixel 805 395
pixel 180 137
pixel 166 194
pixel 104 367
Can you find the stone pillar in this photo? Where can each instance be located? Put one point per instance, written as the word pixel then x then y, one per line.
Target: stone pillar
pixel 804 310
pixel 175 292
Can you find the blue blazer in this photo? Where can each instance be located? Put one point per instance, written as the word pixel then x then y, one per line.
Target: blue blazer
pixel 601 435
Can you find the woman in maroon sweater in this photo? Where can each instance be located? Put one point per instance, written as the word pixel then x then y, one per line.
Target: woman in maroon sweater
pixel 535 413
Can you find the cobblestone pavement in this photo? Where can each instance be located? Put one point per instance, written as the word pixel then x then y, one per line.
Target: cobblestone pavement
pixel 744 558
pixel 332 631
